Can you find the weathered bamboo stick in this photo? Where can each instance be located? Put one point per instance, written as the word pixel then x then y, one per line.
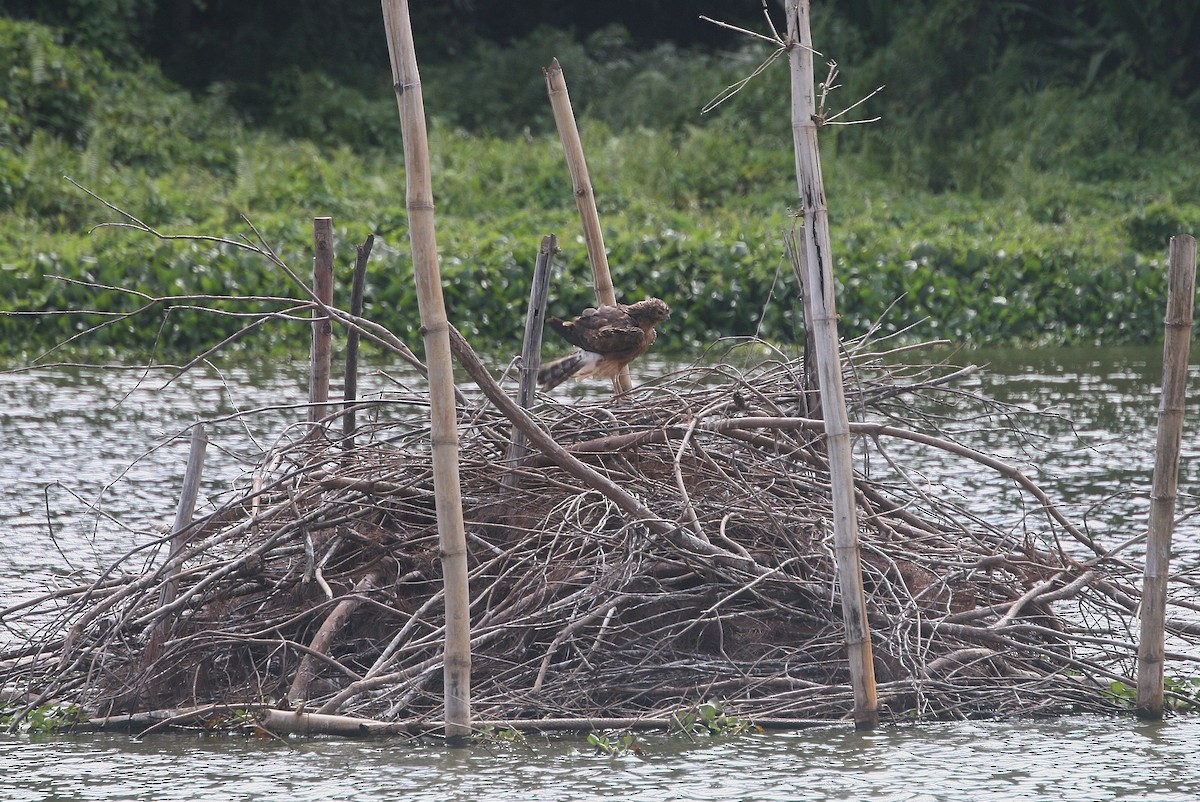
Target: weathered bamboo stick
pixel 353 337
pixel 585 199
pixel 307 671
pixel 184 511
pixel 186 508
pixel 1181 295
pixel 531 353
pixel 305 723
pixel 817 263
pixel 435 327
pixel 318 384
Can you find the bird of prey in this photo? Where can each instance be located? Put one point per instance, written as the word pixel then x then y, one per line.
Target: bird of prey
pixel 608 338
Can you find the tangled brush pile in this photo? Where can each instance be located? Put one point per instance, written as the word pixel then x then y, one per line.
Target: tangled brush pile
pixel 696 564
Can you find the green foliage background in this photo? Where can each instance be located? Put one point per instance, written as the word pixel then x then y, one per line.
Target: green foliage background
pixel 1021 187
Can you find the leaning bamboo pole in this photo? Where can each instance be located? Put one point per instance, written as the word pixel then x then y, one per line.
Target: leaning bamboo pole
pixel 817 264
pixel 1181 295
pixel 322 326
pixel 435 326
pixel 585 199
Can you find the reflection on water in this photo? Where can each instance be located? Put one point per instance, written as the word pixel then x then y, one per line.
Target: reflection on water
pixel 93 460
pixel 1072 760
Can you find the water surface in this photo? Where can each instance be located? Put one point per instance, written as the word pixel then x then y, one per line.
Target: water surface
pixel 1071 760
pixel 94 460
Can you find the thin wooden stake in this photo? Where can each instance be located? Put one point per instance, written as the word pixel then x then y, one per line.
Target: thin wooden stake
pixel 187 500
pixel 1181 295
pixel 816 260
pixel 585 200
pixel 184 511
pixel 350 383
pixel 435 327
pixel 322 334
pixel 531 353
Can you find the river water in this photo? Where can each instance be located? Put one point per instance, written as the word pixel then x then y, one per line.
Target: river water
pixel 92 461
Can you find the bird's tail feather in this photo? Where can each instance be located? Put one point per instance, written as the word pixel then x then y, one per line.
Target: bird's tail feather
pixel 556 371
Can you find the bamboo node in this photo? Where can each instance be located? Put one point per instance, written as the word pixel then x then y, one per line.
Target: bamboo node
pixel 434 327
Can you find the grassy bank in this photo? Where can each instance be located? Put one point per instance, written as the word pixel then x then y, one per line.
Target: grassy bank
pixel 1049 236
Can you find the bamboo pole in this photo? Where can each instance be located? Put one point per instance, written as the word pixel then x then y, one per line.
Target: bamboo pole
pixel 585 200
pixel 435 328
pixel 322 335
pixel 531 353
pixel 1181 294
pixel 304 723
pixel 353 336
pixel 184 511
pixel 816 260
pixel 186 508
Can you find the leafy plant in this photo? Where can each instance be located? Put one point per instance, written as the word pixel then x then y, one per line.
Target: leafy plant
pixel 1181 694
pixel 615 744
pixel 45 719
pixel 695 213
pixel 503 736
pixel 708 718
pixel 1120 693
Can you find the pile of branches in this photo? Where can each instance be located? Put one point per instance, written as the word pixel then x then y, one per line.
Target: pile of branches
pixel 652 552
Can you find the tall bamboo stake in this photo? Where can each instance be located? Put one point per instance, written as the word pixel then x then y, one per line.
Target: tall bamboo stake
pixel 322 334
pixel 1181 294
pixel 435 326
pixel 585 200
pixel 816 259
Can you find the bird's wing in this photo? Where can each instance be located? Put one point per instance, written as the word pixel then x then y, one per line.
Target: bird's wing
pixel 567 330
pixel 607 329
pixel 616 339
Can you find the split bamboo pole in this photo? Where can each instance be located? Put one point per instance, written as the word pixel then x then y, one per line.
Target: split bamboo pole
pixel 585 199
pixel 816 260
pixel 353 336
pixel 531 352
pixel 322 334
pixel 1181 295
pixel 435 327
pixel 180 531
pixel 186 508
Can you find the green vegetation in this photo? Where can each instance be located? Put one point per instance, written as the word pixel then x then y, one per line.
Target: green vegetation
pixel 47 719
pixel 709 718
pixel 1182 694
pixel 500 736
pixel 617 744
pixel 995 206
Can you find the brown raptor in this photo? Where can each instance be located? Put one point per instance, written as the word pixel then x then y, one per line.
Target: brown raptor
pixel 608 338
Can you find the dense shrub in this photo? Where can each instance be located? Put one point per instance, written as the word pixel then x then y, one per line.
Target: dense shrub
pixel 46 87
pixel 1060 235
